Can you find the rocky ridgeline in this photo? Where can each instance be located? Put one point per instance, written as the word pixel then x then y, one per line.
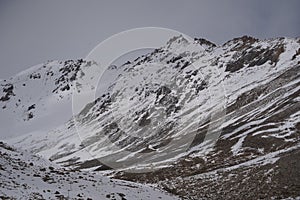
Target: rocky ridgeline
pixel 249 88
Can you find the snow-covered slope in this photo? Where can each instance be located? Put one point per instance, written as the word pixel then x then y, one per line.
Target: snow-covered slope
pixel 190 107
pixel 25 176
pixel 40 98
pixel 178 86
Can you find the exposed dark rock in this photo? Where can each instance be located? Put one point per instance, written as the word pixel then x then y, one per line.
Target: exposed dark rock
pixel 202 41
pixel 255 57
pixel 8 90
pixel 296 54
pixel 31 107
pixel 144 121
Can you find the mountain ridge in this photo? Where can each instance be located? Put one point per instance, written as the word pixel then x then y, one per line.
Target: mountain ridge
pixel 198 111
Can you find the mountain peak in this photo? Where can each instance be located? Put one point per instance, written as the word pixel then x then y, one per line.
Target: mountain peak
pixel 203 41
pixel 242 40
pixel 177 39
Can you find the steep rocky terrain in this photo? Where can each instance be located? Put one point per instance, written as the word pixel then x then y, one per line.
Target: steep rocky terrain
pixel 203 121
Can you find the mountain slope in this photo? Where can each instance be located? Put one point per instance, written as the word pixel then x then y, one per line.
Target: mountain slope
pixel 25 176
pixel 194 110
pixel 39 98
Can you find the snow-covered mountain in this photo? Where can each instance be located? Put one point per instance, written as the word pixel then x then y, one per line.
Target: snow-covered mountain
pixel 39 98
pixel 26 176
pixel 211 115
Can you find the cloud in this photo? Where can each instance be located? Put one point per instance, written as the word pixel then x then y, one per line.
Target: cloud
pixel 33 32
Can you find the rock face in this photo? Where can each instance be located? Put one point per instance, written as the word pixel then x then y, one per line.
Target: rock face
pixel 213 121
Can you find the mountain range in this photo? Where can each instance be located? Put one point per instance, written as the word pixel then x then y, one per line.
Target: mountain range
pixel 199 120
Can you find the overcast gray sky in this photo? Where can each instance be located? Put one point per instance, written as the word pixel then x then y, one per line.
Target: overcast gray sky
pixel 32 32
